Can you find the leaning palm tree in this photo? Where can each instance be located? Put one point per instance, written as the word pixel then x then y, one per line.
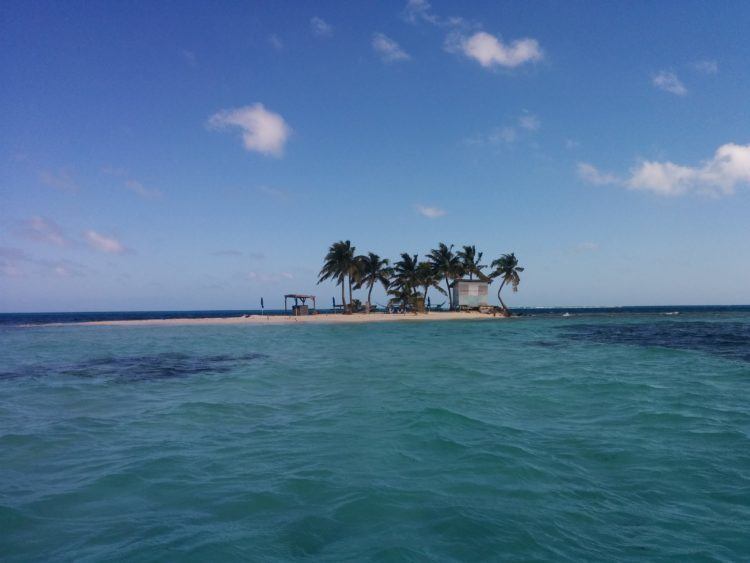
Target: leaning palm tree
pixel 427 278
pixel 470 260
pixel 372 270
pixel 338 265
pixel 507 268
pixel 447 266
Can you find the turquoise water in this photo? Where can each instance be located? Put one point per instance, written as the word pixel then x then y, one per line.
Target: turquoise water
pixel 536 439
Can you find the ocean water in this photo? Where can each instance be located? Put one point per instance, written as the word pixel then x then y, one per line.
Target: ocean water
pixel 591 437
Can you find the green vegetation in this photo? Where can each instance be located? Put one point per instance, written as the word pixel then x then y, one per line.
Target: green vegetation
pixel 507 268
pixel 408 281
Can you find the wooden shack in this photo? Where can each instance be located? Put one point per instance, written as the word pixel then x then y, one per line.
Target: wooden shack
pixel 470 294
pixel 300 307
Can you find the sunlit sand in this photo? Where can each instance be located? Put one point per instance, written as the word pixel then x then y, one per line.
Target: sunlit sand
pixel 310 319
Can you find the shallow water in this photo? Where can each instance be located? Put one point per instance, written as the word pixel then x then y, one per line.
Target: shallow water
pixel 581 438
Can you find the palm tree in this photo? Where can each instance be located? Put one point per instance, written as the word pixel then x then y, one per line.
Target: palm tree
pixel 506 267
pixel 372 270
pixel 447 266
pixel 405 272
pixel 339 264
pixel 470 260
pixel 427 278
pixel 354 273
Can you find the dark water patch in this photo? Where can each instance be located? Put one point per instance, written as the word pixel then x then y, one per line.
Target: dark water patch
pixel 726 339
pixel 138 368
pixel 547 344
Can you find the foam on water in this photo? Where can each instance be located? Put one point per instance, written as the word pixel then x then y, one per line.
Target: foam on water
pixel 587 438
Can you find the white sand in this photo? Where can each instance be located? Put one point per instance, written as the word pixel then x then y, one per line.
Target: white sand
pixel 311 319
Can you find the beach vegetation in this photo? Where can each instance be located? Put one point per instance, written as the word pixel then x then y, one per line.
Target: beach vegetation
pixel 373 270
pixel 447 266
pixel 340 264
pixel 409 280
pixel 507 269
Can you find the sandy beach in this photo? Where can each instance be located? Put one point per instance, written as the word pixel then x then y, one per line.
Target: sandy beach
pixel 310 319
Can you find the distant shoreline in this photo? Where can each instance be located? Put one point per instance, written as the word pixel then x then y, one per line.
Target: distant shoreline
pixel 323 318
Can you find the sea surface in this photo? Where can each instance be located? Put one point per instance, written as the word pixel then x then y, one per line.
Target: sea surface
pixel 605 435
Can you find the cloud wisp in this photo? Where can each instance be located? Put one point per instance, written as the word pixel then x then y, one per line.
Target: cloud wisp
pixel 388 50
pixel 420 11
pixel 132 185
pixel 276 42
pixel 262 277
pixel 61 180
pixel 142 191
pixel 15 263
pixel 429 211
pixel 669 82
pixel 592 175
pixel 320 28
pixel 263 131
pixel 41 229
pixel 706 66
pixel 103 243
pixel 718 176
pixel 523 127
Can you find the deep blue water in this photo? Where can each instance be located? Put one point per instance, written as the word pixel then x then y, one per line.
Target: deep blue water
pixel 84 316
pixel 603 435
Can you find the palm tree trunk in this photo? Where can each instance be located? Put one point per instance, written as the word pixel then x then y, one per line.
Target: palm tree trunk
pixel 369 293
pixel 343 298
pixel 351 301
pixel 505 309
pixel 450 296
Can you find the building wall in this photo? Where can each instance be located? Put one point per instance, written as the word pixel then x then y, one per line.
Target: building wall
pixel 470 294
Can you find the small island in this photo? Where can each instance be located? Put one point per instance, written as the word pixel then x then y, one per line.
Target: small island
pixel 409 280
pixel 459 276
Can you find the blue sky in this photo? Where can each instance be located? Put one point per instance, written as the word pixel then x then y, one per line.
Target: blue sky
pixel 200 156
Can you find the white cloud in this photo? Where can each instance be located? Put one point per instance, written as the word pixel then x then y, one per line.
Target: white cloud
pixel 388 49
pixel 490 51
pixel 40 229
pixel 320 28
pixel 706 66
pixel 591 174
pixel 110 245
pixel 720 175
pixel 137 188
pixel 60 180
pixel 729 167
pixel 429 211
pixel 571 144
pixel 263 131
pixel 669 82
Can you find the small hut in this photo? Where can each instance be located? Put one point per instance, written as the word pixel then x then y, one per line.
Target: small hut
pixel 300 307
pixel 470 294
